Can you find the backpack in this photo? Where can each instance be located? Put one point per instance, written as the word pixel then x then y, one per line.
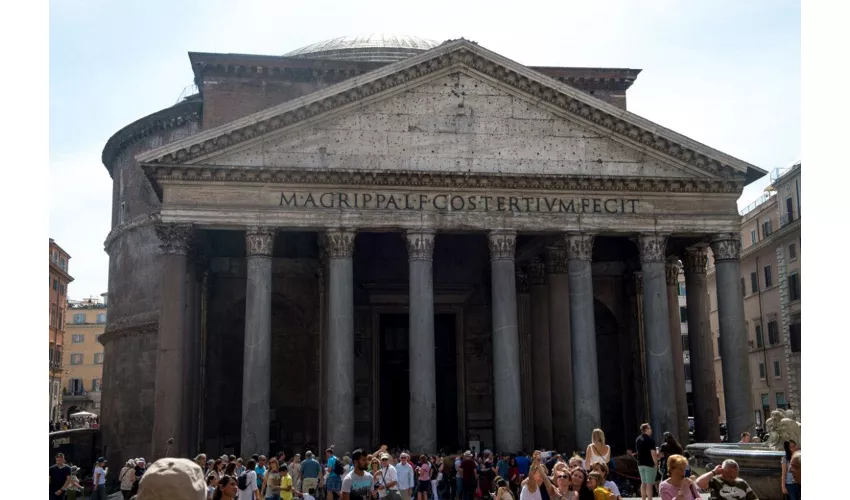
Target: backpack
pixel 339 470
pixel 242 482
pixel 434 470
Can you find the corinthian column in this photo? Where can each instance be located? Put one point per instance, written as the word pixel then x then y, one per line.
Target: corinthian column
pixel 171 355
pixel 659 362
pixel 703 386
pixel 680 431
pixel 257 355
pixel 734 354
pixel 340 347
pixel 583 336
pixel 506 370
pixel 540 372
pixel 560 348
pixel 423 372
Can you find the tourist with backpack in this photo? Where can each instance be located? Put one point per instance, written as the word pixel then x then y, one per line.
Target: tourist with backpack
pixel 246 484
pixel 335 471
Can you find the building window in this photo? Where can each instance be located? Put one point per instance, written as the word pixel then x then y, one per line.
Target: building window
pixel 685 343
pixel 78 338
pixel 98 358
pixel 759 336
pixel 754 281
pixel 765 403
pixel 62 263
pixel 766 228
pixel 792 251
pixel 772 332
pixel 51 355
pixel 96 385
pixel 776 371
pixel 780 400
pixel 795 337
pixel 75 385
pixel 55 284
pixel 683 314
pixel 758 418
pixel 754 237
pixel 743 288
pixel 794 286
pixel 761 371
pixel 121 213
pixel 79 318
pixel 101 318
pixel 768 277
pixel 682 291
pixel 76 359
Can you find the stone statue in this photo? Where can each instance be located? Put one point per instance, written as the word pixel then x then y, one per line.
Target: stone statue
pixel 781 427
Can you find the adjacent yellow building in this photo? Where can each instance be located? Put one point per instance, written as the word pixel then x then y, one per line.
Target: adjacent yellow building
pixel 83 355
pixel 58 290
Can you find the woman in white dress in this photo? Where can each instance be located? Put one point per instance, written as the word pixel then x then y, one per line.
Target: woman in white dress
pixel 597 450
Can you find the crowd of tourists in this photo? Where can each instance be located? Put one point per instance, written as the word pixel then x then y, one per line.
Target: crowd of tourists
pixel 398 475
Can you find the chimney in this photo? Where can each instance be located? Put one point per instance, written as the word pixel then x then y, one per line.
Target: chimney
pixel 104 298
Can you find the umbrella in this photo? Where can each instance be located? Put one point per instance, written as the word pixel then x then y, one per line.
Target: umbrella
pixel 82 414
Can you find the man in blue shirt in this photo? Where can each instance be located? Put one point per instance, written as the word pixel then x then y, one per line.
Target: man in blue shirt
pixel 311 472
pixel 522 464
pixel 333 483
pixel 260 470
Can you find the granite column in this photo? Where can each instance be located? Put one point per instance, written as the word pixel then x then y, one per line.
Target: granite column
pixel 659 355
pixel 506 369
pixel 583 337
pixel 680 431
pixel 170 412
pixel 257 354
pixel 340 347
pixel 540 367
pixel 703 385
pixel 734 351
pixel 423 371
pixel 560 348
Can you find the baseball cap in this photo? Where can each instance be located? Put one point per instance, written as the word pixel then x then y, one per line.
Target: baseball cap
pixel 101 459
pixel 385 456
pixel 173 479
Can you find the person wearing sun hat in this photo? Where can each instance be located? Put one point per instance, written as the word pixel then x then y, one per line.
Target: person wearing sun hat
pixel 173 479
pixel 99 480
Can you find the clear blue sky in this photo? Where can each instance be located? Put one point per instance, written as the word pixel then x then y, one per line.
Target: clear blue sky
pixel 725 73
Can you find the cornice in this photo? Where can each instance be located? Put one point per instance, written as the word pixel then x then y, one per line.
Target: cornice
pixel 61 272
pixel 457 55
pixel 130 225
pixel 160 174
pixel 771 238
pixel 186 111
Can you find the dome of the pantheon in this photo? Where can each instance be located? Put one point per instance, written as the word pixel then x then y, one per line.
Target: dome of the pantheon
pixel 373 47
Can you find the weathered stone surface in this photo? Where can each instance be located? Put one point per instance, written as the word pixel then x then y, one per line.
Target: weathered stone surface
pixel 456 121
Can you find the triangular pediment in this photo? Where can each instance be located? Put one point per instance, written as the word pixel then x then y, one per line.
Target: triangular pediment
pixel 456 108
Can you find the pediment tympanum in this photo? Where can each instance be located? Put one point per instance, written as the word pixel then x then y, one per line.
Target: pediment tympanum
pixel 457 109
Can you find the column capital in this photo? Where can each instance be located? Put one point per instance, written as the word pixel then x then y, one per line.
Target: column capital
pixel 652 247
pixel 339 243
pixel 580 246
pixel 259 241
pixel 502 244
pixel 536 271
pixel 726 246
pixel 696 260
pixel 175 239
pixel 556 259
pixel 672 270
pixel 420 244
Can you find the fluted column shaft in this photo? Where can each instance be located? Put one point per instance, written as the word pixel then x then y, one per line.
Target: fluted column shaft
pixel 734 353
pixel 171 354
pixel 340 347
pixel 423 371
pixel 257 355
pixel 672 275
pixel 659 354
pixel 583 337
pixel 703 385
pixel 506 369
pixel 560 348
pixel 540 367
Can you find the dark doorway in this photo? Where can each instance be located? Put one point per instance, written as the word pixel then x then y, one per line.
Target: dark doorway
pixel 395 375
pixel 446 361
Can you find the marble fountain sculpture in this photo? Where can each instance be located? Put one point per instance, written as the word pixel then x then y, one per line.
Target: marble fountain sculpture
pixel 760 464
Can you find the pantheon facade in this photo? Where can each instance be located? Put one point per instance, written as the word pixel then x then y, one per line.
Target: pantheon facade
pixel 389 240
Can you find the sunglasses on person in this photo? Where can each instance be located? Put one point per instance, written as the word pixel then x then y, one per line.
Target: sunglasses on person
pixel 563 476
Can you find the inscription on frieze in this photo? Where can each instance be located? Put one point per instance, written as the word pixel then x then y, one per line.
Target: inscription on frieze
pixel 456 202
